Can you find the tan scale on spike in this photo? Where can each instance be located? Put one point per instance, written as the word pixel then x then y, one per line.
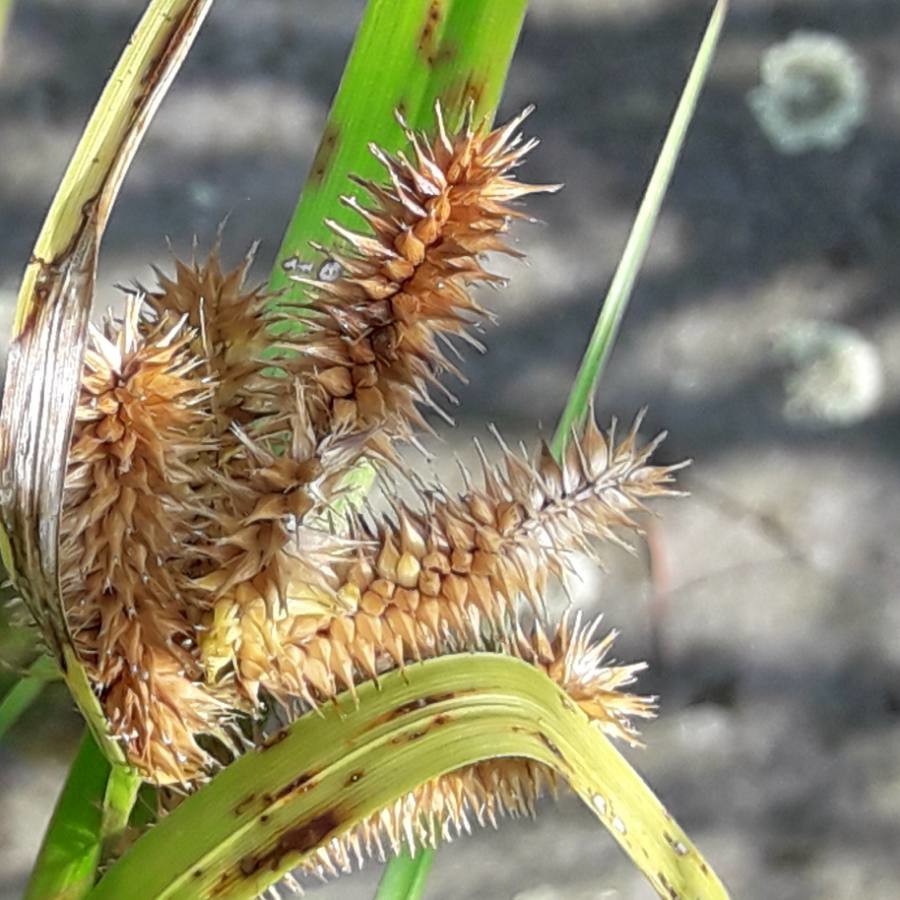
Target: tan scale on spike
pixel 230 333
pixel 373 351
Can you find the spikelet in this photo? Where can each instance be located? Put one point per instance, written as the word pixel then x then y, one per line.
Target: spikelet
pixel 578 663
pixel 432 581
pixel 372 350
pixel 129 514
pixel 230 324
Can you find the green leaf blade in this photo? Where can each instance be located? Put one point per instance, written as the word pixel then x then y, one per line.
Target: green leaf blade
pixel 68 858
pixel 405 876
pixel 616 302
pixel 25 691
pixel 273 808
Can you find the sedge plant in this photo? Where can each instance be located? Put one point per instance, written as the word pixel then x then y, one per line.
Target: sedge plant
pixel 176 512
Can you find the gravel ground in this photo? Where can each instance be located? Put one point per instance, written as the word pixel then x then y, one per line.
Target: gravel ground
pixel 771 622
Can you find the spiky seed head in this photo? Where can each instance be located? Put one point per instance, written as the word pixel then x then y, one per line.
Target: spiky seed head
pixel 201 568
pixel 129 524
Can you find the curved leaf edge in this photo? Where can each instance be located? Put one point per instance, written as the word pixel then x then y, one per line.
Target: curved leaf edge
pixel 314 781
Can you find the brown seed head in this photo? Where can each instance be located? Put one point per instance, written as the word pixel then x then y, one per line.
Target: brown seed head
pixel 128 523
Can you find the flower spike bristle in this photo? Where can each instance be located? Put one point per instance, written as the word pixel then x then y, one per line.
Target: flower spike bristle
pixel 207 576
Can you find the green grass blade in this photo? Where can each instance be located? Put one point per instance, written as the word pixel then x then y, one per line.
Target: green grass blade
pixel 471 59
pixel 22 694
pixel 273 808
pixel 119 797
pixel 67 862
pixel 613 309
pixel 25 691
pixel 405 876
pixel 90 816
pixel 404 57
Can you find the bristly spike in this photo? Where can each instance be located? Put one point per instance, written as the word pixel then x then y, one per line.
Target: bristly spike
pixel 140 417
pixel 449 577
pixel 245 582
pixel 406 285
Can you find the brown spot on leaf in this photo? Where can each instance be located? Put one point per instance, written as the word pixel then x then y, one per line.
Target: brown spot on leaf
pixel 550 745
pixel 427 45
pixel 300 784
pixel 297 840
pixel 241 807
pixel 436 722
pixel 669 890
pixel 409 738
pixel 431 699
pixel 354 777
pixel 400 711
pixel 273 740
pixel 325 155
pixel 462 91
pixel 446 54
pixel 43 284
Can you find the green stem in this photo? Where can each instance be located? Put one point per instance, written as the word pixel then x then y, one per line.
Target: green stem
pixel 405 876
pixel 118 802
pixel 67 862
pixel 90 816
pixel 26 691
pixel 616 301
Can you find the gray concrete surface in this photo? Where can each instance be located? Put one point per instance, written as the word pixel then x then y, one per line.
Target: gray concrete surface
pixel 773 628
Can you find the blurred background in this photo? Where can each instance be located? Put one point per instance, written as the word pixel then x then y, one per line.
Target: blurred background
pixel 764 334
